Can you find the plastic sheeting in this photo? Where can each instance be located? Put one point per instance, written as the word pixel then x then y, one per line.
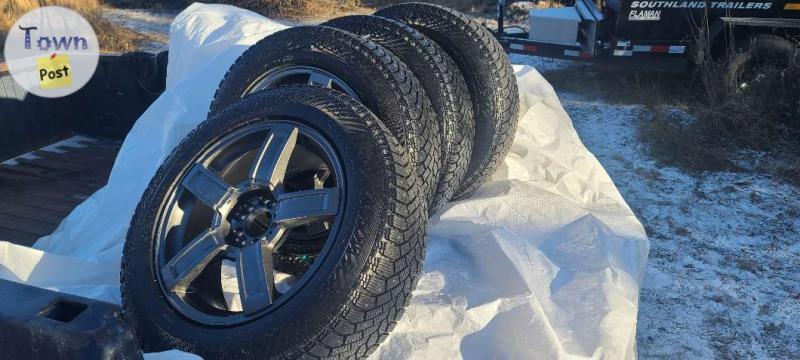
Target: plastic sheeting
pixel 543 261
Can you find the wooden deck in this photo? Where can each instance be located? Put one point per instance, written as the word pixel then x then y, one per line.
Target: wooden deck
pixel 39 190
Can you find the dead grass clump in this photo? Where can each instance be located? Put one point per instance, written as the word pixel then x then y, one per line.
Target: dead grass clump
pixel 763 116
pixel 729 122
pixel 110 37
pixel 310 9
pixel 547 4
pixel 283 9
pixel 676 140
pixel 300 9
pixel 473 7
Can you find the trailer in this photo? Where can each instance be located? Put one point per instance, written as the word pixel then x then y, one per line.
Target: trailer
pixel 665 35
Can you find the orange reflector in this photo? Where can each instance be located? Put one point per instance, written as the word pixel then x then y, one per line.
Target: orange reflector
pixel 795 6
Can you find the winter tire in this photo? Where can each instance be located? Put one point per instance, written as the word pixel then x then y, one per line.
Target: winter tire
pixel 444 85
pixel 262 173
pixel 489 76
pixel 359 67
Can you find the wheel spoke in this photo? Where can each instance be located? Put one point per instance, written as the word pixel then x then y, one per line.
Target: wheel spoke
pixel 190 261
pixel 274 155
pixel 277 237
pixel 254 270
pixel 318 79
pixel 304 207
pixel 207 186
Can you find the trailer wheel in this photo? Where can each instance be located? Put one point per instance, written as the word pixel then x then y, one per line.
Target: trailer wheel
pixel 442 81
pixel 490 79
pixel 337 59
pixel 234 191
pixel 755 56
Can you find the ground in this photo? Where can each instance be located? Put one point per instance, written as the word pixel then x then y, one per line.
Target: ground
pixel 721 279
pixel 149 22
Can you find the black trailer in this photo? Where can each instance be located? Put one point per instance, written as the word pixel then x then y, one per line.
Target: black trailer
pixel 667 35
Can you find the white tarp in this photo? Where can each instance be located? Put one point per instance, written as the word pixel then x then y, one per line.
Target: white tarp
pixel 543 261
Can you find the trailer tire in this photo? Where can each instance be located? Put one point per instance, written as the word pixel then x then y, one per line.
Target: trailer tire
pixel 489 76
pixel 756 49
pixel 442 81
pixel 359 288
pixel 377 78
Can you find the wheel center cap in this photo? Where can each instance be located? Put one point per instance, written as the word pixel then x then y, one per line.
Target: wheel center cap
pixel 250 218
pixel 257 222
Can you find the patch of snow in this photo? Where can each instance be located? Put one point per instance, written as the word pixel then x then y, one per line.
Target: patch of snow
pixel 722 277
pixel 542 64
pixel 15 161
pixel 154 23
pixel 78 141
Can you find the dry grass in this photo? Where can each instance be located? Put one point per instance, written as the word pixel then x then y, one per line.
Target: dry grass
pixel 116 39
pixel 301 9
pixel 760 124
pixel 309 9
pixel 283 9
pixel 111 38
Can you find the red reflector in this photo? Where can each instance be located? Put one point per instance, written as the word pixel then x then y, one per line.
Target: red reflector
pixel 659 48
pixel 586 55
pixel 524 48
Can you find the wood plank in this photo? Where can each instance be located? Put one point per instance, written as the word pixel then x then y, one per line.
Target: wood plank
pixel 62 205
pixel 82 159
pixel 59 213
pixel 31 171
pixel 31 212
pixel 55 165
pixel 26 225
pixel 68 183
pixel 36 194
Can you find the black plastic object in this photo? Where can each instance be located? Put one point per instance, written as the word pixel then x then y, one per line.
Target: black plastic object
pixel 42 324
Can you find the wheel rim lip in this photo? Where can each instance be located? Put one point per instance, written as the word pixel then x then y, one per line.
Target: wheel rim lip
pixel 175 192
pixel 274 77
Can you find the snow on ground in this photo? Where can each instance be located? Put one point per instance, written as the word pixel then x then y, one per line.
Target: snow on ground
pixel 153 23
pixel 60 147
pixel 722 278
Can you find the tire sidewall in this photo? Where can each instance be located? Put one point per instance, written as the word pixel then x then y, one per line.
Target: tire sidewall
pixel 442 81
pixel 357 71
pixel 381 81
pixel 286 328
pixel 489 77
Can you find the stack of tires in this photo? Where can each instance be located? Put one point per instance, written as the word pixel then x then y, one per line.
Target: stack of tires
pixel 325 151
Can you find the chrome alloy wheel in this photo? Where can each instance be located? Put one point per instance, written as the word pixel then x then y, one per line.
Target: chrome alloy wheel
pixel 244 198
